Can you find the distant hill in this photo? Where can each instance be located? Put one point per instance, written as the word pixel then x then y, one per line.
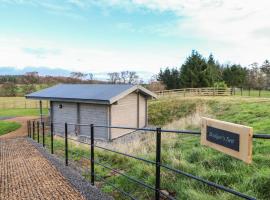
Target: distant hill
pixel 43 71
pixel 46 71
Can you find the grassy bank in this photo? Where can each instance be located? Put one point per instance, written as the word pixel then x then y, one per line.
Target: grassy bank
pixel 186 153
pixel 16 112
pixel 6 127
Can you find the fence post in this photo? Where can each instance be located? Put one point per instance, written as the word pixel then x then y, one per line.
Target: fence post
pixel 33 134
pixel 28 133
pixel 38 131
pixel 158 158
pixel 66 144
pixel 43 134
pixel 51 137
pixel 30 129
pixel 92 155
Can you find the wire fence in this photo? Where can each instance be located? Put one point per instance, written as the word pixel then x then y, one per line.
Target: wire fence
pixel 38 130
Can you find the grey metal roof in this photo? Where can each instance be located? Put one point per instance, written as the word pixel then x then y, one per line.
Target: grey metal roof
pixel 95 93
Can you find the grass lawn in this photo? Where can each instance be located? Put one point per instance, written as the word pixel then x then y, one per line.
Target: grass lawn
pixel 253 93
pixel 6 127
pixel 186 153
pixel 16 112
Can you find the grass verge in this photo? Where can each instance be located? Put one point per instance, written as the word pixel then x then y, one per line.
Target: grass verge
pixel 16 112
pixel 6 127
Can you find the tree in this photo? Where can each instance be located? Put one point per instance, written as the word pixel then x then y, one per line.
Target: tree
pixel 193 72
pixel 9 89
pixel 234 75
pixel 91 76
pixel 28 88
pixel 78 75
pixel 124 76
pixel 133 78
pixel 170 77
pixel 31 78
pixel 155 85
pixel 213 71
pixel 114 77
pixel 266 70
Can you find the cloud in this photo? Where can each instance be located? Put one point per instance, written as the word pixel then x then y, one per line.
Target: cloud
pixel 233 30
pixel 21 52
pixel 41 52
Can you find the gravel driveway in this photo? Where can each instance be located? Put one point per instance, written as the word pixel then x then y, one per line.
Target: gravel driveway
pixel 28 172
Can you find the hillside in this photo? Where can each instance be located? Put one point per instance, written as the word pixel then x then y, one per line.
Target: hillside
pixel 185 152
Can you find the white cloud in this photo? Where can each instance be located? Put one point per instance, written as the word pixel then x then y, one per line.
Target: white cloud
pixel 235 30
pixel 22 52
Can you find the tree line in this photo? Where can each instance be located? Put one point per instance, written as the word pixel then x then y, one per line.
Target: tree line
pixel 19 85
pixel 198 71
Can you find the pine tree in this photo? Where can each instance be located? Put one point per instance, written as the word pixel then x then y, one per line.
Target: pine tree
pixel 194 71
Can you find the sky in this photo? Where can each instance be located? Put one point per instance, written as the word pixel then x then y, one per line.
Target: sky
pixel 100 36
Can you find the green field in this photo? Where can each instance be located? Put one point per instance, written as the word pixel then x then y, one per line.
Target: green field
pixel 17 112
pixel 6 127
pixel 253 93
pixel 186 153
pixel 19 106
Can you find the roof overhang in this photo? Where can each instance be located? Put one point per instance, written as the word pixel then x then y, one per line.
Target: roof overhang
pixel 138 88
pixel 110 101
pixel 103 102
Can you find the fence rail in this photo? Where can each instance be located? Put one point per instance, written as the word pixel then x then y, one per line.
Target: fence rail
pixel 210 91
pixel 34 126
pixel 13 103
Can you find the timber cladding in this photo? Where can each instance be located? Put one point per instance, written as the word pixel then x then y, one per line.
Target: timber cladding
pixel 125 113
pixel 229 138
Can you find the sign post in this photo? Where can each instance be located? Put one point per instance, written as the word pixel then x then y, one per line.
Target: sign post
pixel 229 138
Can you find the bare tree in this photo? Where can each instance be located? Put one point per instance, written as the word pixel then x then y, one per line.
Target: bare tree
pixel 31 78
pixel 124 76
pixel 114 77
pixel 266 70
pixel 78 75
pixel 133 77
pixel 256 78
pixel 91 76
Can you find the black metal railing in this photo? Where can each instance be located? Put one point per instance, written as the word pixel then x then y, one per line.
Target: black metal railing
pixel 34 125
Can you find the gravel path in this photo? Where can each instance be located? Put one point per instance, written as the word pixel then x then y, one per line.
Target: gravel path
pixel 27 171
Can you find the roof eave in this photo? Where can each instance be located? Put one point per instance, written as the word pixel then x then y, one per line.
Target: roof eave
pixel 132 89
pixel 94 101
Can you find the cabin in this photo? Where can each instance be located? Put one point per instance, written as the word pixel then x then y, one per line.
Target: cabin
pixel 98 104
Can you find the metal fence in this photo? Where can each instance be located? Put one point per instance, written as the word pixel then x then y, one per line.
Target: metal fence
pixel 36 131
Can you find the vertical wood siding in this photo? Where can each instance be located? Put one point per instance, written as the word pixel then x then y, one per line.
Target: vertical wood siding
pixel 94 114
pixel 68 113
pixel 142 111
